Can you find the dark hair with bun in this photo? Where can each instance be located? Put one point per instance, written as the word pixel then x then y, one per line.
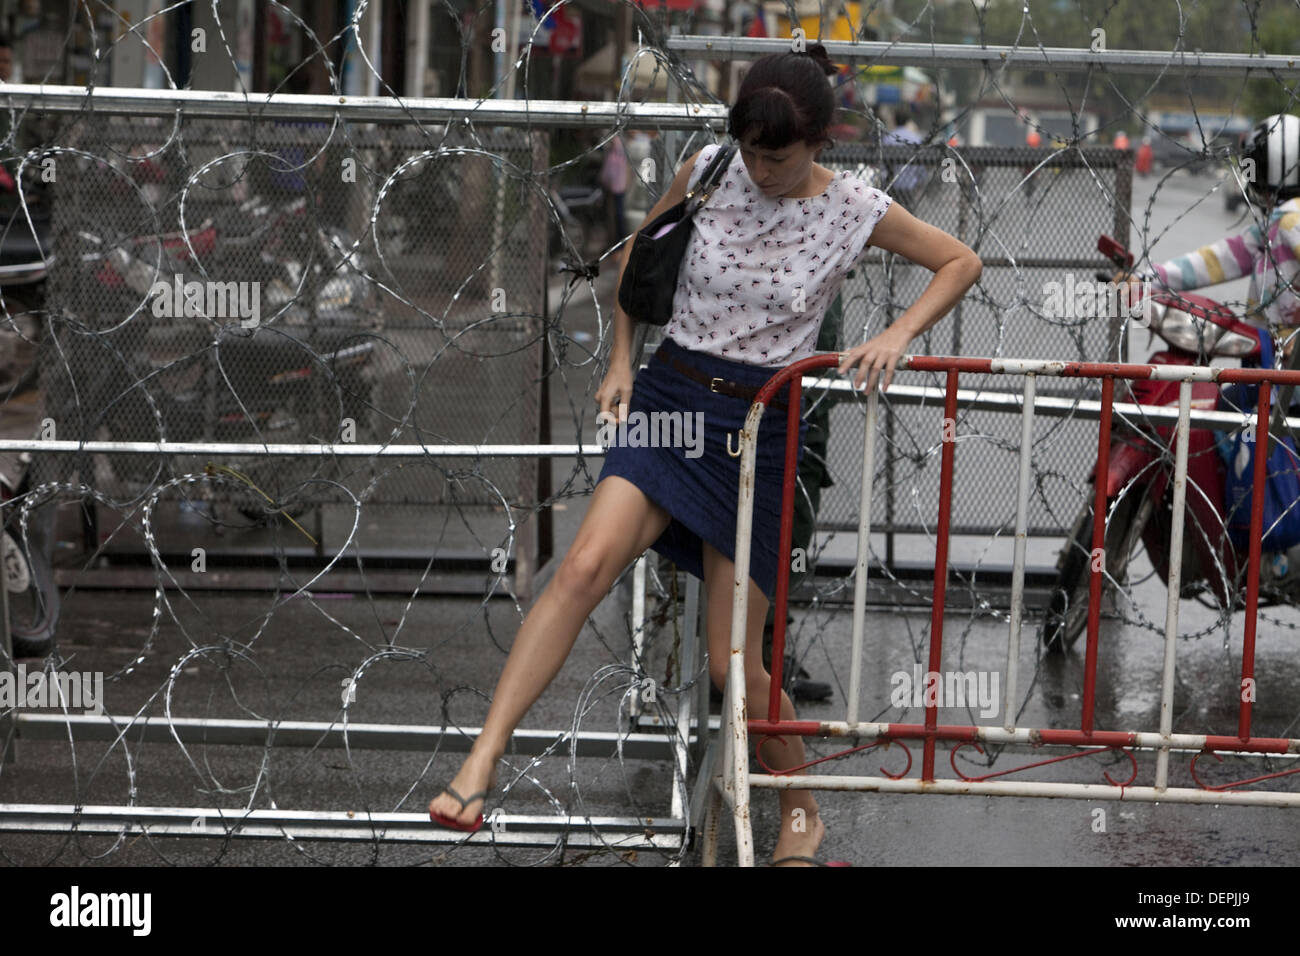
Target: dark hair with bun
pixel 786 96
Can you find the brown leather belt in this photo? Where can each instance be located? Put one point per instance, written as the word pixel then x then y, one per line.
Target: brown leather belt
pixel 715 384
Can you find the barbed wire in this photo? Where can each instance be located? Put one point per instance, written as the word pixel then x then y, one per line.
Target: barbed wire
pixel 264 282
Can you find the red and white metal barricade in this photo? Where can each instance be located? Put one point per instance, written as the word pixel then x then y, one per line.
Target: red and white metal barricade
pixel 732 782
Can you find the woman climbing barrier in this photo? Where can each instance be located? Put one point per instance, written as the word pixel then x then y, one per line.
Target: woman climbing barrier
pixel 771 247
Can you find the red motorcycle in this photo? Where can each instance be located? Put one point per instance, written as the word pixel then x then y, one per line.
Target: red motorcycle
pixel 1139 476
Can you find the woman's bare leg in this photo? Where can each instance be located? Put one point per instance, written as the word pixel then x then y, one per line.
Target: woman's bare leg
pixel 620 523
pixel 801 825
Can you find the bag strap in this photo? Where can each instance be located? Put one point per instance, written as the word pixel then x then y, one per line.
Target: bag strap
pixel 1265 347
pixel 712 174
pixel 1277 426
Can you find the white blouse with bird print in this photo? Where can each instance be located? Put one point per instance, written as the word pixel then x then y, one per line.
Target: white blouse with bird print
pixel 760 271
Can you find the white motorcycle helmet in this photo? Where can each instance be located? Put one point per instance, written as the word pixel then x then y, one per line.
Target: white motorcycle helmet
pixel 1274 146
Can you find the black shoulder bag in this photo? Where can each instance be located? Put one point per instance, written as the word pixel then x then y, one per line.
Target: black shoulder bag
pixel 650 278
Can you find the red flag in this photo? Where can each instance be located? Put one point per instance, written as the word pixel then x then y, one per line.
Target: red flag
pixel 756 26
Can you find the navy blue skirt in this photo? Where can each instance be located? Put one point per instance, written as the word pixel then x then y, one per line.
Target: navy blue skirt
pixel 698 483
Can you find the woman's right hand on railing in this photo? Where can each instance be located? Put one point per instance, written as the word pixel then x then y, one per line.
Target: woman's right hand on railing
pixel 616 389
pixel 1130 280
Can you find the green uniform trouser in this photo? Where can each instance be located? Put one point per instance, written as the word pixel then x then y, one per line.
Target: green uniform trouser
pixel 813 473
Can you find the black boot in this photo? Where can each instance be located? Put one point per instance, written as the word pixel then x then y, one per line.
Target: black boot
pixel 800 685
pixel 795 680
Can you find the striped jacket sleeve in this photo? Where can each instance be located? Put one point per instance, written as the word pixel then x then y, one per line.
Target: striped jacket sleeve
pixel 1279 290
pixel 1229 258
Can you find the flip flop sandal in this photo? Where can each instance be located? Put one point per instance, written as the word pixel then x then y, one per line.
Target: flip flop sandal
pixel 808 859
pixel 464 802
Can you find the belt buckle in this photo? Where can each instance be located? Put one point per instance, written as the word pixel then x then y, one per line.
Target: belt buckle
pixel 713 385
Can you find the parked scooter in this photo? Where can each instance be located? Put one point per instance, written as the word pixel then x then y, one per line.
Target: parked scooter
pixel 293 379
pixel 1139 476
pixel 282 247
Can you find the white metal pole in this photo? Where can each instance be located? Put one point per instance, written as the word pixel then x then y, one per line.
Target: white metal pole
pixel 1018 565
pixel 697 622
pixel 712 817
pixel 417 49
pixel 688 664
pixel 638 627
pixel 864 555
pixel 6 636
pixel 1028 788
pixel 374 45
pixel 1174 581
pixel 512 51
pixel 737 729
pixel 505 61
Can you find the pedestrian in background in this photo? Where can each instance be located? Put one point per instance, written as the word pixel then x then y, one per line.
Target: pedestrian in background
pixel 1144 157
pixel 613 179
pixel 908 176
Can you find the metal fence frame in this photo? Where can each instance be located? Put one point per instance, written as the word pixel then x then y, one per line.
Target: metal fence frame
pixel 687 116
pixel 686 744
pixel 406 322
pixel 732 784
pixel 666 831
